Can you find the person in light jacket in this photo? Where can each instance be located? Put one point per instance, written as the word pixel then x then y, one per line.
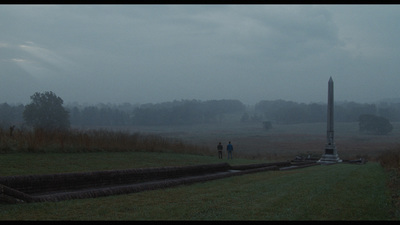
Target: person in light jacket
pixel 229 148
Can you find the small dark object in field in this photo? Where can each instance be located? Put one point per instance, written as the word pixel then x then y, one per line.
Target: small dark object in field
pixel 356 161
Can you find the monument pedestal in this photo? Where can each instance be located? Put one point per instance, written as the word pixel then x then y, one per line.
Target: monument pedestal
pixel 330 155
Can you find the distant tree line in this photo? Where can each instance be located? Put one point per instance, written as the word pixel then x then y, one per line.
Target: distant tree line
pixel 185 112
pixel 100 115
pixel 11 114
pixel 288 112
pixel 212 111
pixel 166 113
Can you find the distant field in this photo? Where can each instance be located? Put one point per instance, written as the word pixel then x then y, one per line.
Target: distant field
pixel 282 141
pixel 336 192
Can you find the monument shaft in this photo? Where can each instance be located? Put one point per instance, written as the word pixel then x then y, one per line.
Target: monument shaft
pixel 330 155
pixel 330 132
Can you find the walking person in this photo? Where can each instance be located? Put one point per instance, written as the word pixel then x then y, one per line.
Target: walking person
pixel 229 148
pixel 220 147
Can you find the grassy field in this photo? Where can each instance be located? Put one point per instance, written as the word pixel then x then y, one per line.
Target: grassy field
pixel 48 163
pixel 282 142
pixel 250 140
pixel 337 192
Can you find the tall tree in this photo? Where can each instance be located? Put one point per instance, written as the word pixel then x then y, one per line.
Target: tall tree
pixel 46 112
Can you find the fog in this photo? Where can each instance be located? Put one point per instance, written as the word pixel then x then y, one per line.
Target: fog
pixel 157 53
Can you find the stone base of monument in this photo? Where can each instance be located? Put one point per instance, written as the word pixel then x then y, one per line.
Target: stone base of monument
pixel 330 156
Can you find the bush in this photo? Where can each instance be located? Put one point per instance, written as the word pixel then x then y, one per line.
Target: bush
pixel 371 124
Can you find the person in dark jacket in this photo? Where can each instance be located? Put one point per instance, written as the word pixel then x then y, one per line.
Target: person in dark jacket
pixel 229 148
pixel 220 147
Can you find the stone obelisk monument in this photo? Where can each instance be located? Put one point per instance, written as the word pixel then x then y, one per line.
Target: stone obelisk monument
pixel 330 155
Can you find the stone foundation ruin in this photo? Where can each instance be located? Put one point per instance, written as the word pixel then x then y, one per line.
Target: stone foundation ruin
pixel 66 186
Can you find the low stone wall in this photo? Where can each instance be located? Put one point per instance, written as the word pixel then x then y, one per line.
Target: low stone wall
pixel 65 186
pixel 153 185
pixel 32 184
pixel 10 195
pixel 299 165
pixel 260 165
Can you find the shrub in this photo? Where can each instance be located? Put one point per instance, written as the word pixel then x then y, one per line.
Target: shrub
pixel 371 124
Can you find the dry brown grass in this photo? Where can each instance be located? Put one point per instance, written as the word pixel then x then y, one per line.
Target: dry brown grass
pixel 250 140
pixel 284 142
pixel 92 140
pixel 390 160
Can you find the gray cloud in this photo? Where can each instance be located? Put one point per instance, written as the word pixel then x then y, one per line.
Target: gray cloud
pixel 155 53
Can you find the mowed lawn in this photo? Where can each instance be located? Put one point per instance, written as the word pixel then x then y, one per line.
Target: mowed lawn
pixel 335 192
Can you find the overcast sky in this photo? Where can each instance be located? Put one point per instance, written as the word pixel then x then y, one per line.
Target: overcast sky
pixel 157 53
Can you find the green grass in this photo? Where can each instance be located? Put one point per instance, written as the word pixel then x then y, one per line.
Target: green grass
pixel 336 192
pixel 48 163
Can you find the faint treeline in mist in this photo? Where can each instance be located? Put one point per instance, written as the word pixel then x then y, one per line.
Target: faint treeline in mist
pixel 288 112
pixel 189 112
pixel 182 112
pixel 24 140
